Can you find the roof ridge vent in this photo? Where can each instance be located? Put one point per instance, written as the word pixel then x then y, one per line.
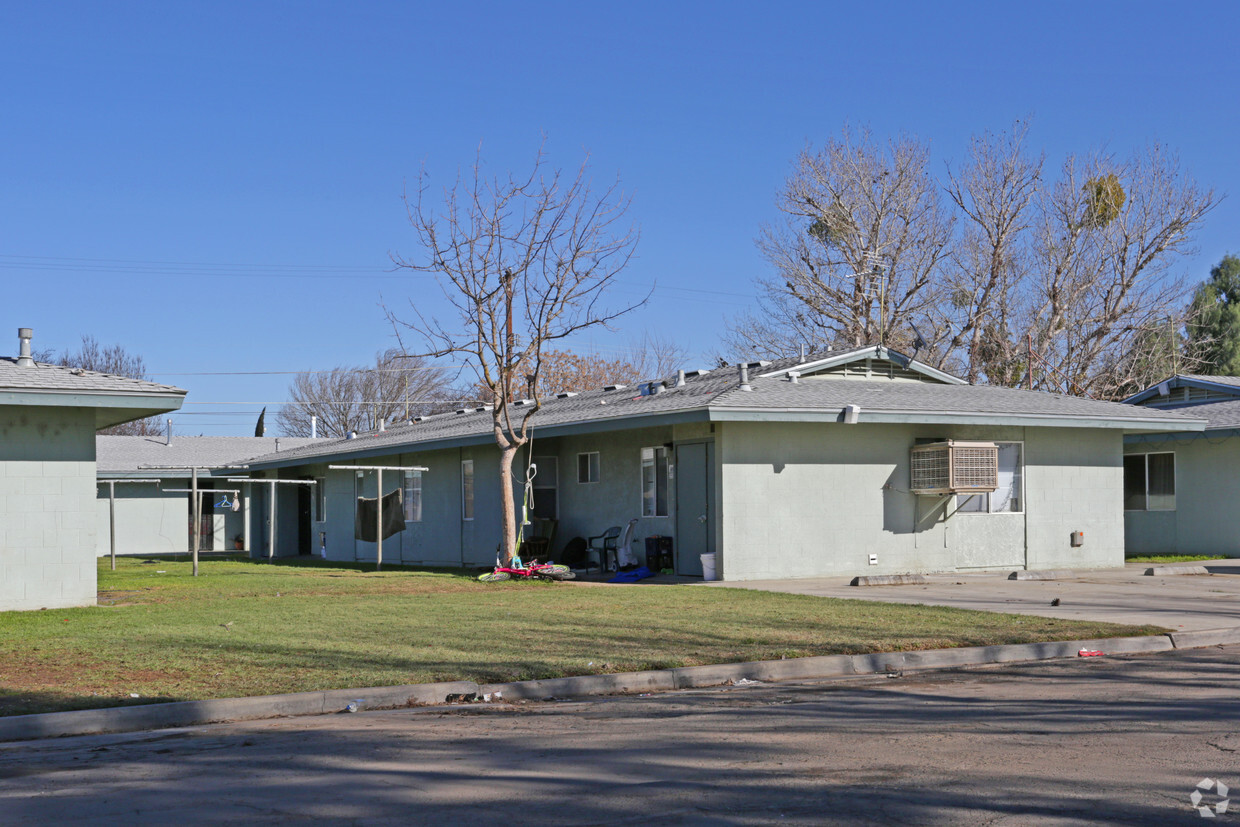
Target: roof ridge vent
pixel 565 394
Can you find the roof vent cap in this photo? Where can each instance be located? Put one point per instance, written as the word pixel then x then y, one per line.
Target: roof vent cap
pixel 24 335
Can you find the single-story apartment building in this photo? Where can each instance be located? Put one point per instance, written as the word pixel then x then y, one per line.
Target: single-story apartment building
pixel 48 523
pixel 804 467
pixel 143 480
pixel 1178 495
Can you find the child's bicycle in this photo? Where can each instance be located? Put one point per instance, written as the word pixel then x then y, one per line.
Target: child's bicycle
pixel 534 569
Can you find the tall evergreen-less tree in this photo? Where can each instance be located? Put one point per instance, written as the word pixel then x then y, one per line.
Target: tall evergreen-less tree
pixel 1214 332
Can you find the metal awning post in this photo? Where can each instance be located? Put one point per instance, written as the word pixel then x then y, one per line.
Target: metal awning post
pixel 197 512
pixel 378 469
pixel 196 505
pixel 271 509
pixel 271 523
pixel 112 512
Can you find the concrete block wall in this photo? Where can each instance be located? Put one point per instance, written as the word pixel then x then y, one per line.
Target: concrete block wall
pixel 807 500
pixel 1074 482
pixel 1204 520
pixel 48 521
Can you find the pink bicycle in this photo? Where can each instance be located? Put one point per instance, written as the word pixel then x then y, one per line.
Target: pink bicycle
pixel 524 571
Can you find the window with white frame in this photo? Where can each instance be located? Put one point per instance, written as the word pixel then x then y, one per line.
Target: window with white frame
pixel 467 489
pixel 546 485
pixel 413 496
pixel 320 499
pixel 1149 482
pixel 1008 497
pixel 654 482
pixel 587 467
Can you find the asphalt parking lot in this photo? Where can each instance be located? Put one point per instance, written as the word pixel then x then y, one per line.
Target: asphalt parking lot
pixel 1100 740
pixel 1122 595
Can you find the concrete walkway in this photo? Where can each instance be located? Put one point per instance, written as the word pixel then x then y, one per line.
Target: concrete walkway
pixel 1179 603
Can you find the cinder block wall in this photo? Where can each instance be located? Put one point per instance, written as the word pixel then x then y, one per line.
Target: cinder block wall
pixel 47 507
pixel 816 499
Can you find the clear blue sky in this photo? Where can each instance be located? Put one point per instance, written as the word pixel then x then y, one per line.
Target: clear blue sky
pixel 216 186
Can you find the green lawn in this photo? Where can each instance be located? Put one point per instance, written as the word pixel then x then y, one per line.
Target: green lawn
pixel 247 628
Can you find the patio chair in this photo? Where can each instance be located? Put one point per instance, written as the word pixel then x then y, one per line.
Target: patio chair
pixel 538 544
pixel 606 542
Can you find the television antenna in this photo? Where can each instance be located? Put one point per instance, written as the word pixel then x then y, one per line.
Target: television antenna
pixel 875 275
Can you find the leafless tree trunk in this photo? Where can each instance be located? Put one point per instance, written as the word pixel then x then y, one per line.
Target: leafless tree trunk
pixel 525 262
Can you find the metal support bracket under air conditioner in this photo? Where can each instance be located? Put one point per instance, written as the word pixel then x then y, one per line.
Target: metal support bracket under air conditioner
pixel 941 501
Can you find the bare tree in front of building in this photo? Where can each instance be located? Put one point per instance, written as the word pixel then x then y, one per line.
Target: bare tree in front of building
pixel 525 263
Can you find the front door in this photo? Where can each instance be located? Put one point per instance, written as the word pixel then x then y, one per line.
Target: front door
pixel 695 525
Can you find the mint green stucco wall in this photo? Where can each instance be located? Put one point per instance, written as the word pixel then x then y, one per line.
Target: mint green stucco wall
pixel 789 500
pixel 1206 519
pixel 805 500
pixel 47 507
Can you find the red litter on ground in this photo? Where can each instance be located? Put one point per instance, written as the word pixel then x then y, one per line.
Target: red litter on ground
pixel 1090 653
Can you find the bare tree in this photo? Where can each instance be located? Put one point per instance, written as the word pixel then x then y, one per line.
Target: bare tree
pixel 994 191
pixel 860 252
pixel 525 262
pixel 1108 235
pixel 1065 283
pixel 113 359
pixel 357 398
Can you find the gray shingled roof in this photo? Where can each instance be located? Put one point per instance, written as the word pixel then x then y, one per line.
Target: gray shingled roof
pixel 1224 414
pixel 44 377
pixel 1217 380
pixel 119 455
pixel 717 395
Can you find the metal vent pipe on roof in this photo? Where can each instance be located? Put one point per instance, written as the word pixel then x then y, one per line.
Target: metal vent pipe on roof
pixel 314 426
pixel 745 377
pixel 794 377
pixel 680 378
pixel 24 335
pixel 168 433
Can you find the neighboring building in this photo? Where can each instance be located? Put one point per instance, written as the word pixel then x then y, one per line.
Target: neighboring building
pixel 151 519
pixel 802 471
pixel 48 419
pixel 1178 495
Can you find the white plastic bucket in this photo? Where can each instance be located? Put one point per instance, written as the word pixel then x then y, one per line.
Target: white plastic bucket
pixel 708 567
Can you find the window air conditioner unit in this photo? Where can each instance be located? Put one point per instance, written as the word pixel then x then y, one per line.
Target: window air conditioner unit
pixel 955 467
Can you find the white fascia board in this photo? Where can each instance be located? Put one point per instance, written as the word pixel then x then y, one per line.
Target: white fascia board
pixel 1131 424
pixel 169 401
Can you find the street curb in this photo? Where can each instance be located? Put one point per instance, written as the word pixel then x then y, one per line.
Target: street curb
pixel 1205 637
pixel 195 713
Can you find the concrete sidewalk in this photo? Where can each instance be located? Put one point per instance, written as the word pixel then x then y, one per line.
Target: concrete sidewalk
pixel 1124 595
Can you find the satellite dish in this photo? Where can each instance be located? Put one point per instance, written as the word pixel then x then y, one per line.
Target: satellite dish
pixel 919 342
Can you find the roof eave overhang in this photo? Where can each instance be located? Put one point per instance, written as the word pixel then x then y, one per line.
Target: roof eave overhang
pixel 110 408
pixel 1182 381
pixel 1128 425
pixel 614 423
